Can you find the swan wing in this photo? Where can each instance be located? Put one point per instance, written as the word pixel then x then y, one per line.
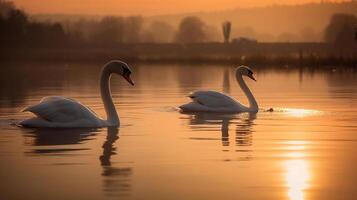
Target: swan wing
pixel 213 99
pixel 60 109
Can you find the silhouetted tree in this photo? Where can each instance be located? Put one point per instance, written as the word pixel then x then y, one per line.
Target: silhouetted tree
pixel 226 28
pixel 16 30
pixel 110 30
pixel 341 29
pixel 84 30
pixel 13 28
pixel 6 7
pixel 35 33
pixel 191 30
pixel 133 28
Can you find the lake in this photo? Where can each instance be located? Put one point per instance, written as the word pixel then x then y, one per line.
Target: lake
pixel 305 149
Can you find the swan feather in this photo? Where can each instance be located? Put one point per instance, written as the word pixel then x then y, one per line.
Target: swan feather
pixel 61 109
pixel 212 98
pixel 211 101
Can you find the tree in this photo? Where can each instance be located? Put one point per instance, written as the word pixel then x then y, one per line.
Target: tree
pixel 15 25
pixel 6 7
pixel 133 28
pixel 17 30
pixel 341 30
pixel 40 34
pixel 191 30
pixel 110 30
pixel 226 28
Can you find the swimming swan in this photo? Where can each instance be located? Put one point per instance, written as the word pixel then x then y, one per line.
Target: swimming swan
pixel 212 101
pixel 61 112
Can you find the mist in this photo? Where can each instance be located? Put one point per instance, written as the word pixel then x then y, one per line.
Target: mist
pixel 277 23
pixel 312 33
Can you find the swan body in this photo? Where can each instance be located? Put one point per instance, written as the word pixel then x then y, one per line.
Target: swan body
pixel 212 101
pixel 62 112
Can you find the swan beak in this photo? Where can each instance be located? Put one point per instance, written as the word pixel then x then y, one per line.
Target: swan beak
pixel 252 77
pixel 127 77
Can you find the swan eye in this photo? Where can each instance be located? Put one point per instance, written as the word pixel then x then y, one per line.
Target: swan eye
pixel 250 72
pixel 126 71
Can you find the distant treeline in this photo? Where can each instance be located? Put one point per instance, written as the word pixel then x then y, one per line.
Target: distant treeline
pixel 280 22
pixel 127 37
pixel 17 30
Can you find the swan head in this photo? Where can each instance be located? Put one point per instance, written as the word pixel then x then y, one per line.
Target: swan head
pixel 246 71
pixel 121 68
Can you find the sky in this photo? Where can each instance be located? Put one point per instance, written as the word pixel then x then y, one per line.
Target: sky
pixel 140 7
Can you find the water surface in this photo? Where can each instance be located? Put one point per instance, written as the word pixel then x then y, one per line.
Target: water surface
pixel 305 149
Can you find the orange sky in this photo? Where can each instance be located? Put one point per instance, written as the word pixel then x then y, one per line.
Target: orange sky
pixel 140 7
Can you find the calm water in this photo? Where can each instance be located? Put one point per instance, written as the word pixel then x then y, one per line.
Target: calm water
pixel 306 149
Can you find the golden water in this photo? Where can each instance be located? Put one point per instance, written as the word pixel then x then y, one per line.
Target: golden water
pixel 305 150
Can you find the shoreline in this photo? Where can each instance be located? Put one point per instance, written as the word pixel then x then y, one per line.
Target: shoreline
pixel 317 54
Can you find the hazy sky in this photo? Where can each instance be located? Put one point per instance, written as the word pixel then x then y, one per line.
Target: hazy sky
pixel 141 7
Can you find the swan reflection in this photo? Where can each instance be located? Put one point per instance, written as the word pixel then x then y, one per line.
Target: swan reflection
pixel 244 136
pixel 221 122
pixel 116 180
pixel 226 84
pixel 57 141
pixel 64 142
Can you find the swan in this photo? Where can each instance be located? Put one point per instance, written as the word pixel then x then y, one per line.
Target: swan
pixel 212 101
pixel 62 112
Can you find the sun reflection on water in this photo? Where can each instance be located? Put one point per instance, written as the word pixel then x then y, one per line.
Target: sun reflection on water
pixel 297 176
pixel 294 112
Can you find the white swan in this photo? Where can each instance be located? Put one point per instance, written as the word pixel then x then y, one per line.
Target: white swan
pixel 61 112
pixel 212 101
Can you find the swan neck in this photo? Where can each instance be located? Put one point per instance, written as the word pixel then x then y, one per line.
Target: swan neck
pixel 253 105
pixel 112 115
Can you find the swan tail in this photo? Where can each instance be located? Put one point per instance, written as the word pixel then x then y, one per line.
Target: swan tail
pixel 194 107
pixel 197 107
pixel 56 109
pixel 34 122
pixel 27 109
